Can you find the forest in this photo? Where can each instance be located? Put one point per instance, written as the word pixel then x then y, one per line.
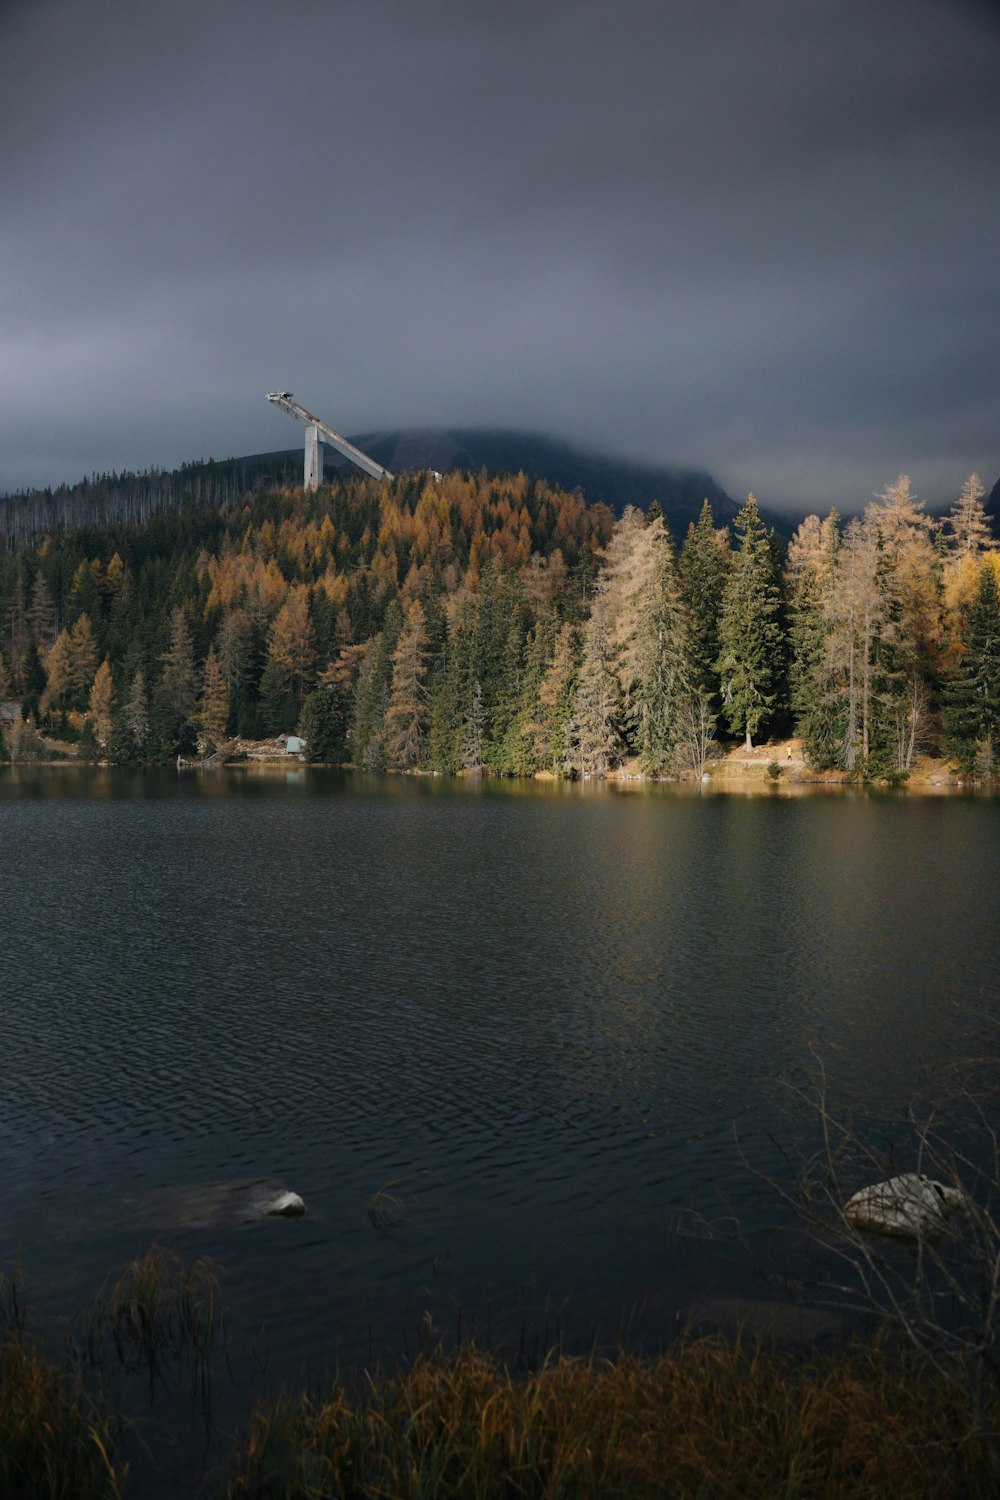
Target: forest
pixel 496 624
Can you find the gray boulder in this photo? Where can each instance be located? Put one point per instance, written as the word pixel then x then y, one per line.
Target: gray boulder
pixel 907 1206
pixel 287 1205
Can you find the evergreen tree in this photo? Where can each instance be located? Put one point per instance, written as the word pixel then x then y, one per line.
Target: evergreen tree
pixel 323 725
pixel 278 710
pixel 32 680
pixel 810 577
pixel 751 647
pixel 473 731
pixel 326 712
pixel 666 673
pixel 41 616
pixel 178 683
pixel 173 704
pixel 507 691
pixel 129 738
pixel 597 708
pixel 972 697
pixel 371 698
pixel 521 755
pixel 136 712
pixel 556 734
pixel 442 713
pixel 122 615
pixel 704 565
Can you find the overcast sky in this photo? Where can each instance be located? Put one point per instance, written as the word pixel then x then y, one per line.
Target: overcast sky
pixel 756 236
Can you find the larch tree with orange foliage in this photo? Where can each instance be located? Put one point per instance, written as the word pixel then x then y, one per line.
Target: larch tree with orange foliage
pixel 292 644
pixel 213 706
pixel 406 714
pixel 82 651
pixel 100 702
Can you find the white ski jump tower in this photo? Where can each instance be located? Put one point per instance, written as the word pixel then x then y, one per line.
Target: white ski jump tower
pixel 317 433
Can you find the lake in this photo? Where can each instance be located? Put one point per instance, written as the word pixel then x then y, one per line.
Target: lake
pixel 501 1038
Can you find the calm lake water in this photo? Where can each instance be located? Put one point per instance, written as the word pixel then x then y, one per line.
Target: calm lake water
pixel 535 1013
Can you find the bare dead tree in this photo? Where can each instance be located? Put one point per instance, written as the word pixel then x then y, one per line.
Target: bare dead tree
pixel 939 1290
pixel 696 734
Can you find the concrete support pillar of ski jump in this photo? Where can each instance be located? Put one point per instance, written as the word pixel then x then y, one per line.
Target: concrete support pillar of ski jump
pixel 314 459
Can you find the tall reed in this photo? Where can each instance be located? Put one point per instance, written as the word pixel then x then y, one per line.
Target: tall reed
pixel 709 1419
pixel 57 1442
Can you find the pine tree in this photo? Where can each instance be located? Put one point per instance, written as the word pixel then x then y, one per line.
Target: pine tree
pixel 233 647
pixel 507 690
pixel 473 731
pixel 972 697
pixel 278 710
pixel 750 661
pixel 556 737
pixel 41 615
pixel 442 713
pixel 704 566
pixel 450 685
pixel 811 571
pixel 175 697
pixel 16 626
pixel 665 675
pixel 323 725
pixel 326 713
pixel 136 712
pixel 371 697
pixel 597 709
pixel 521 755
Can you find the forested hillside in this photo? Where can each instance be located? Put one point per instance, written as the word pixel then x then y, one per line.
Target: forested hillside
pixel 107 499
pixel 499 624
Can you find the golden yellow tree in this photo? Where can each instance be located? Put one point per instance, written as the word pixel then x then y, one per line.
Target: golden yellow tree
pixel 82 656
pixel 57 671
pixel 213 709
pixel 101 694
pixel 293 641
pixel 407 711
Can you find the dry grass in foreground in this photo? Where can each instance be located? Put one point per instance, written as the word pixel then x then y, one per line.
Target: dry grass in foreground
pixel 707 1420
pixel 56 1442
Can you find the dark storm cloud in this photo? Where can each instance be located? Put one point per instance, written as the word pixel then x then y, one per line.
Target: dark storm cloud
pixel 755 236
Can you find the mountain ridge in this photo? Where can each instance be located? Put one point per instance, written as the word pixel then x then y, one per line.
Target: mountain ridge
pixel 600 477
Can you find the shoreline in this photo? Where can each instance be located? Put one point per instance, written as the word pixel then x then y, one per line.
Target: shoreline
pixel 737 770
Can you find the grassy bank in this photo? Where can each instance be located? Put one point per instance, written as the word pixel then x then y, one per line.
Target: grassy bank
pixel 710 1419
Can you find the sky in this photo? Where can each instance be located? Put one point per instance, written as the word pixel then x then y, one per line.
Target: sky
pixel 759 237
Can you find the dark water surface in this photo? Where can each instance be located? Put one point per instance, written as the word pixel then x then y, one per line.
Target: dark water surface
pixel 542 1009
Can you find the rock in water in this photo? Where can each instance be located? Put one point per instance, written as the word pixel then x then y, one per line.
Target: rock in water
pixel 906 1206
pixel 288 1205
pixel 212 1205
